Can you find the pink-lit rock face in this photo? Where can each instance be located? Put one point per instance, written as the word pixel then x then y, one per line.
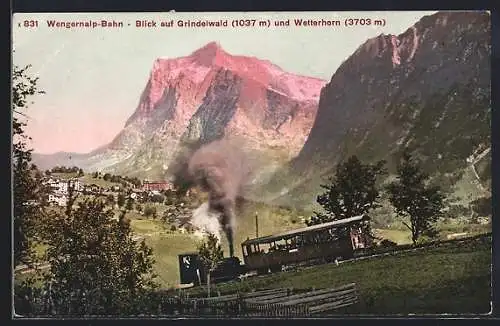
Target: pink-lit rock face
pixel 211 94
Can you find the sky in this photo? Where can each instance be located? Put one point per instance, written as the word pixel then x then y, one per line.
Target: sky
pixel 93 77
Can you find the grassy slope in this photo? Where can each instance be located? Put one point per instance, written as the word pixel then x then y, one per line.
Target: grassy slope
pixel 398 236
pixel 168 245
pixel 452 279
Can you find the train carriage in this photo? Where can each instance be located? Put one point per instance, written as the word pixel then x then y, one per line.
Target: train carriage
pixel 326 241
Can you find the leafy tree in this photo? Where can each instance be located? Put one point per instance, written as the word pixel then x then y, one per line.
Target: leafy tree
pixel 413 198
pixel 455 211
pixel 157 198
pixel 26 189
pixel 150 211
pixel 352 192
pixel 138 207
pixel 110 199
pixel 171 215
pixel 95 175
pixel 121 200
pixel 130 204
pixel 211 254
pixel 96 265
pixel 80 173
pixel 482 206
pixel 106 177
pixel 170 197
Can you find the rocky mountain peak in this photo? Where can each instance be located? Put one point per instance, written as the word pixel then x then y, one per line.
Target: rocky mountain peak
pixel 209 94
pixel 209 54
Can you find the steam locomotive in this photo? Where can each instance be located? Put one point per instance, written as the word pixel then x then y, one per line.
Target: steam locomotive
pixel 193 271
pixel 325 242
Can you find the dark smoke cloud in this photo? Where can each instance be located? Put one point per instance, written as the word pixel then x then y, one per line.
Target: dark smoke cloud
pixel 220 168
pixel 179 167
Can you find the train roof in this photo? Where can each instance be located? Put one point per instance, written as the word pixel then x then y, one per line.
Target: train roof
pixel 317 227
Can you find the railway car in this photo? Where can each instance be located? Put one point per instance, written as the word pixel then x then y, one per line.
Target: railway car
pixel 327 241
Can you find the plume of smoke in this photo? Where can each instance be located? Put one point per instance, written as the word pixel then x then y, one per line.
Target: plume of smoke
pixel 220 168
pixel 206 220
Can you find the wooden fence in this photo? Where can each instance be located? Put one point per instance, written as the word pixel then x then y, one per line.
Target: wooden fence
pixel 265 303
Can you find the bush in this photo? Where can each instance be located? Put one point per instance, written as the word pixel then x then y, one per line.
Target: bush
pixel 150 211
pixel 482 206
pixel 455 211
pixel 387 243
pixel 157 198
pixel 423 239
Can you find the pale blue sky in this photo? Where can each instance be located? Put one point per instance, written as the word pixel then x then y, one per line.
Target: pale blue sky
pixel 93 77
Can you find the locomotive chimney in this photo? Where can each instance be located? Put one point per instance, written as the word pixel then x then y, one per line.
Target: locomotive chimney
pixel 256 224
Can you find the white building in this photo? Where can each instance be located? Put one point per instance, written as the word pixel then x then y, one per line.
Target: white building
pixel 77 184
pixel 59 200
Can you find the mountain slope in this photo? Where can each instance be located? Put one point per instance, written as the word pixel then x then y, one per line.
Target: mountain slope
pixel 207 95
pixel 428 89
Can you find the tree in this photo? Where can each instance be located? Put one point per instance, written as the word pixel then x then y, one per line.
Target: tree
pixel 130 204
pixel 156 198
pixel 171 215
pixel 110 199
pixel 352 192
pixel 121 200
pixel 80 173
pixel 170 197
pixel 26 189
pixel 96 265
pixel 482 206
pixel 413 198
pixel 211 254
pixel 150 211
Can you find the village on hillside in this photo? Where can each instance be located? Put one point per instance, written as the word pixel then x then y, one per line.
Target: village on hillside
pixel 147 198
pixel 59 185
pixel 60 189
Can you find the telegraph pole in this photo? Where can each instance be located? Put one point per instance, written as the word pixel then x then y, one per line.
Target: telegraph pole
pixel 256 224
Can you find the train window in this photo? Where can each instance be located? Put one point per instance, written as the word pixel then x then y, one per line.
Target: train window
pixel 309 239
pixel 280 244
